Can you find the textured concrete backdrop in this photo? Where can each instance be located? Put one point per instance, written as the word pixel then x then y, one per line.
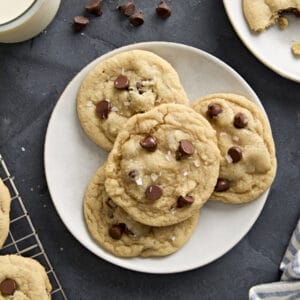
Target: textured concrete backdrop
pixel 32 76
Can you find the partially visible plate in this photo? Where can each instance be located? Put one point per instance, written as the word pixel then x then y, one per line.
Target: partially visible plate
pixel 71 159
pixel 272 47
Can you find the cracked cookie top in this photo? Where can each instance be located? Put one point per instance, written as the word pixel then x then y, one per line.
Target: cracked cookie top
pixel 248 161
pixel 121 86
pixel 118 233
pixel 164 165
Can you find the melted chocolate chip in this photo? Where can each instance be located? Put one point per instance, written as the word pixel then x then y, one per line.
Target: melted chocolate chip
pixel 80 22
pixel 94 7
pixel 149 143
pixel 235 153
pixel 214 110
pixel 240 120
pixel 121 82
pixel 153 192
pixel 184 201
pixel 103 108
pixel 163 10
pixel 8 287
pixel 116 231
pixel 222 185
pixel 136 19
pixel 127 8
pixel 133 173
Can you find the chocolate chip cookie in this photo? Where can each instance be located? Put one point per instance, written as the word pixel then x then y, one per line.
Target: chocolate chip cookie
pixel 248 163
pixel 4 212
pixel 124 85
pixel 261 14
pixel 23 278
pixel 164 165
pixel 113 229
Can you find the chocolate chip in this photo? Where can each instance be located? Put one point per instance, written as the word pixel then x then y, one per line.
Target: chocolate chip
pixel 240 120
pixel 163 10
pixel 8 287
pixel 139 87
pixel 235 153
pixel 80 22
pixel 103 108
pixel 214 110
pixel 94 7
pixel 149 143
pixel 184 201
pixel 121 82
pixel 186 148
pixel 222 185
pixel 127 8
pixel 153 192
pixel 136 19
pixel 116 231
pixel 133 173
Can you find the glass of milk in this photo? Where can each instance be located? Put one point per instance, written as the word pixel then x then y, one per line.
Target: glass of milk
pixel 21 20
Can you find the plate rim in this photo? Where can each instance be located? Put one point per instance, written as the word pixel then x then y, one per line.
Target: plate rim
pixel 59 101
pixel 278 71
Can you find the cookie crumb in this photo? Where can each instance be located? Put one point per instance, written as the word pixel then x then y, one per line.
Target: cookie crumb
pixel 283 23
pixel 296 49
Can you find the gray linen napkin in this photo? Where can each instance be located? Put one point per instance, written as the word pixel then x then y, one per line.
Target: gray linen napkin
pixel 289 286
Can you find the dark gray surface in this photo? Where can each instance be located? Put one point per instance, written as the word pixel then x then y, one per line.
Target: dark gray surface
pixel 32 76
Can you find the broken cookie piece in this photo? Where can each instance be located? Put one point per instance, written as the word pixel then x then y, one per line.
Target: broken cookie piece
pixel 296 49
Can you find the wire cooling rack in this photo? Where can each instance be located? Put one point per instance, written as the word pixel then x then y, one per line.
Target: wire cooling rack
pixel 23 238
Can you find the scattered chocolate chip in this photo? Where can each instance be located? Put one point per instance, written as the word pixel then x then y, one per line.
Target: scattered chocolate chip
pixel 184 201
pixel 136 19
pixel 133 173
pixel 240 120
pixel 116 231
pixel 127 8
pixel 149 143
pixel 214 110
pixel 8 287
pixel 103 108
pixel 139 87
pixel 235 153
pixel 121 82
pixel 222 185
pixel 80 22
pixel 163 10
pixel 94 7
pixel 153 192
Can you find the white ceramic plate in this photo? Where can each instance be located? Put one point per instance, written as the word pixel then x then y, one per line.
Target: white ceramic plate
pixel 272 47
pixel 71 159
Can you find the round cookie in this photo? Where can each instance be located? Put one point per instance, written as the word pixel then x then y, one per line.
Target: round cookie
pixel 126 84
pixel 248 163
pixel 261 14
pixel 164 165
pixel 4 212
pixel 23 278
pixel 118 233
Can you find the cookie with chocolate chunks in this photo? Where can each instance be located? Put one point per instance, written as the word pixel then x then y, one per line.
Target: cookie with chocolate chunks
pixel 114 230
pixel 120 87
pixel 248 163
pixel 5 201
pixel 23 278
pixel 165 189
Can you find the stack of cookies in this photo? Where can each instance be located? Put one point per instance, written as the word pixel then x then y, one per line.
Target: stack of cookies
pixel 167 159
